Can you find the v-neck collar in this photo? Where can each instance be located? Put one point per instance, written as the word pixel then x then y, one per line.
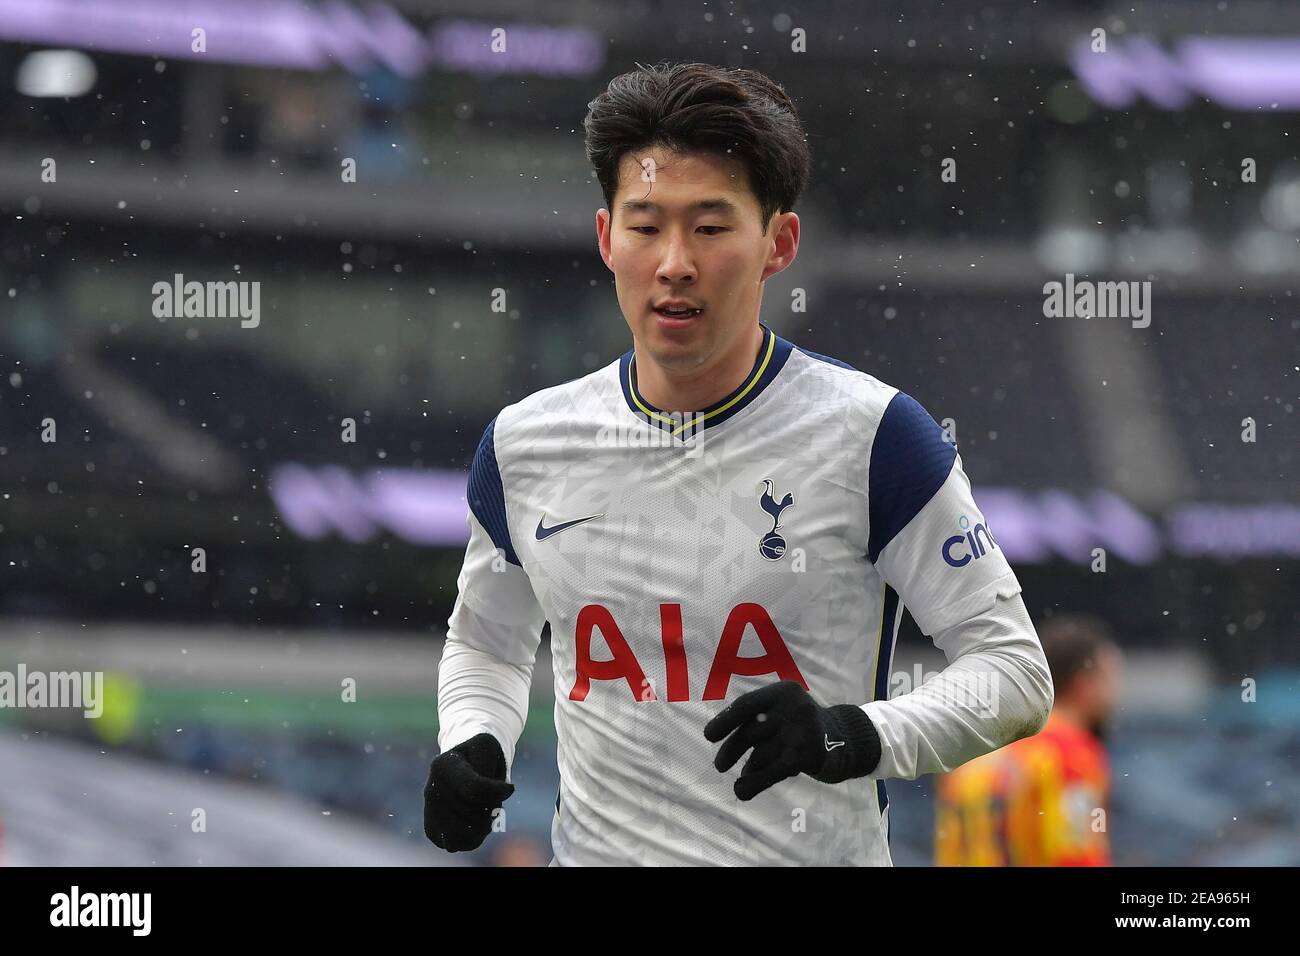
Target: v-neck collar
pixel 772 356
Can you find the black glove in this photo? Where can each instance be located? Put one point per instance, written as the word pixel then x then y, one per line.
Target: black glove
pixel 466 783
pixel 792 734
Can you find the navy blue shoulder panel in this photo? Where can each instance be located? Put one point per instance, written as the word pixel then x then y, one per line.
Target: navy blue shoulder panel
pixel 487 497
pixel 910 461
pixel 825 358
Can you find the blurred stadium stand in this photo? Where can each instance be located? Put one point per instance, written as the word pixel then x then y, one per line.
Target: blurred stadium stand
pixel 141 813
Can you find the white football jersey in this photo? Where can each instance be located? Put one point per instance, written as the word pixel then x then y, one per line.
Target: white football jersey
pixel 775 535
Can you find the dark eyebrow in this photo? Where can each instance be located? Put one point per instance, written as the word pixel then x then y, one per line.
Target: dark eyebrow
pixel 706 205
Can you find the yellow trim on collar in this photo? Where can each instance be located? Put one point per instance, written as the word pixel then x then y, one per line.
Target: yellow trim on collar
pixel 699 419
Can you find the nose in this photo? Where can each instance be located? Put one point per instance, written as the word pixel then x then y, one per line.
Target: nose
pixel 677 265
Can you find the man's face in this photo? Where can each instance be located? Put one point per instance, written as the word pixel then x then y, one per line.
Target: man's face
pixel 691 234
pixel 1100 690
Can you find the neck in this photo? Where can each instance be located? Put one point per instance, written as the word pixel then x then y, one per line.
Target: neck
pixel 1064 710
pixel 697 388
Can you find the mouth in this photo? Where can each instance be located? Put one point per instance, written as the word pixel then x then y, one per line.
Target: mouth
pixel 676 316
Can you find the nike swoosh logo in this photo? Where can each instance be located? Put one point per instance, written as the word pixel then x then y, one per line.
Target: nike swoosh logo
pixel 832 744
pixel 543 532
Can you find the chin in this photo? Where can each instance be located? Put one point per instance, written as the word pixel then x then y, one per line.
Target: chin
pixel 676 350
pixel 676 355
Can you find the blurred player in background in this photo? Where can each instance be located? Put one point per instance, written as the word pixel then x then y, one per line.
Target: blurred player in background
pixel 1043 800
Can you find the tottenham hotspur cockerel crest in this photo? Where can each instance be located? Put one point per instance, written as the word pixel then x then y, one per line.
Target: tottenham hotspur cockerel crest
pixel 772 546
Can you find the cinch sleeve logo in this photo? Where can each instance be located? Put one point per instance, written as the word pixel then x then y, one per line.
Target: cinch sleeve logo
pixel 961 549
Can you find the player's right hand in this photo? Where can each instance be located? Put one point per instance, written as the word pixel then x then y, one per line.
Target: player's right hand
pixel 466 785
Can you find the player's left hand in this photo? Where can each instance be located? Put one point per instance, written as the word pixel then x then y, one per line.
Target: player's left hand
pixel 791 734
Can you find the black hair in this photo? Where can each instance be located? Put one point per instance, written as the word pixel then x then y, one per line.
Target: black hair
pixel 697 107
